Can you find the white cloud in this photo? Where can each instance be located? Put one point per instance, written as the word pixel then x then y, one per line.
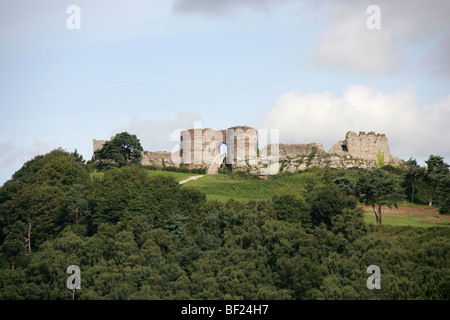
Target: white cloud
pixel 350 46
pixel 413 129
pixel 408 36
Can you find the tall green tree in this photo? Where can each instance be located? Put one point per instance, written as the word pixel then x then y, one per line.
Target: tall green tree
pixel 75 204
pixel 436 170
pixel 13 247
pixel 123 149
pixel 444 190
pixel 290 208
pixel 377 189
pixel 413 174
pixel 328 201
pixel 345 184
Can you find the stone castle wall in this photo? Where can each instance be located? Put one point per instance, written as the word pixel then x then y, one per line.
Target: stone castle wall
pixel 158 159
pixel 199 148
pixel 293 150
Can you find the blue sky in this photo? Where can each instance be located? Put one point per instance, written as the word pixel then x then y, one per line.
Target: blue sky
pixel 311 69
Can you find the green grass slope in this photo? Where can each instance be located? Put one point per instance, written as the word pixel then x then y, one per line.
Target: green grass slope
pixel 223 187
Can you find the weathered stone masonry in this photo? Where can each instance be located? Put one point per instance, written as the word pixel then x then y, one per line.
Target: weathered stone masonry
pixel 200 148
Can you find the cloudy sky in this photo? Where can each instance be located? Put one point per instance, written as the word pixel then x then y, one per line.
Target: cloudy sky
pixel 312 69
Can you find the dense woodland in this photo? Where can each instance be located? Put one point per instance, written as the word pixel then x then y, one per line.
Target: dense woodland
pixel 140 237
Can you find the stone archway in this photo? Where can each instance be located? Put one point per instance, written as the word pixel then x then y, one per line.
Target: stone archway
pixel 223 148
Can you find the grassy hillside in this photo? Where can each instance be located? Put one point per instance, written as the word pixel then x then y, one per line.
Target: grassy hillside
pixel 244 188
pixel 179 176
pixel 223 187
pixel 408 215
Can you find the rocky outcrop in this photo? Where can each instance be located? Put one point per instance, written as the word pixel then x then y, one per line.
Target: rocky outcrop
pixel 321 160
pixel 357 150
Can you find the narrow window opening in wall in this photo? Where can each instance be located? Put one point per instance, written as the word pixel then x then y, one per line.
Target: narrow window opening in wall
pixel 344 147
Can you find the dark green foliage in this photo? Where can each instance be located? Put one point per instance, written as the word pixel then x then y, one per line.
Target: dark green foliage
pixel 350 223
pixel 211 234
pixel 125 193
pixel 76 205
pixel 328 201
pixel 36 193
pixel 140 237
pixel 291 209
pixel 444 192
pixel 55 168
pixel 345 184
pixel 123 149
pixel 436 171
pixel 13 247
pixel 412 176
pixel 308 279
pixel 176 223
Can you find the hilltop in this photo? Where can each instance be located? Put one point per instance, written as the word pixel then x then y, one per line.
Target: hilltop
pixel 138 233
pixel 205 148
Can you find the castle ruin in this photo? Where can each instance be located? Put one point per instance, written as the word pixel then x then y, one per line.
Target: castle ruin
pixel 204 148
pixel 200 147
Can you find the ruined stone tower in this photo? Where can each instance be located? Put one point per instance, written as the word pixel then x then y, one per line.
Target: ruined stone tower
pixel 199 148
pixel 363 146
pixel 242 144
